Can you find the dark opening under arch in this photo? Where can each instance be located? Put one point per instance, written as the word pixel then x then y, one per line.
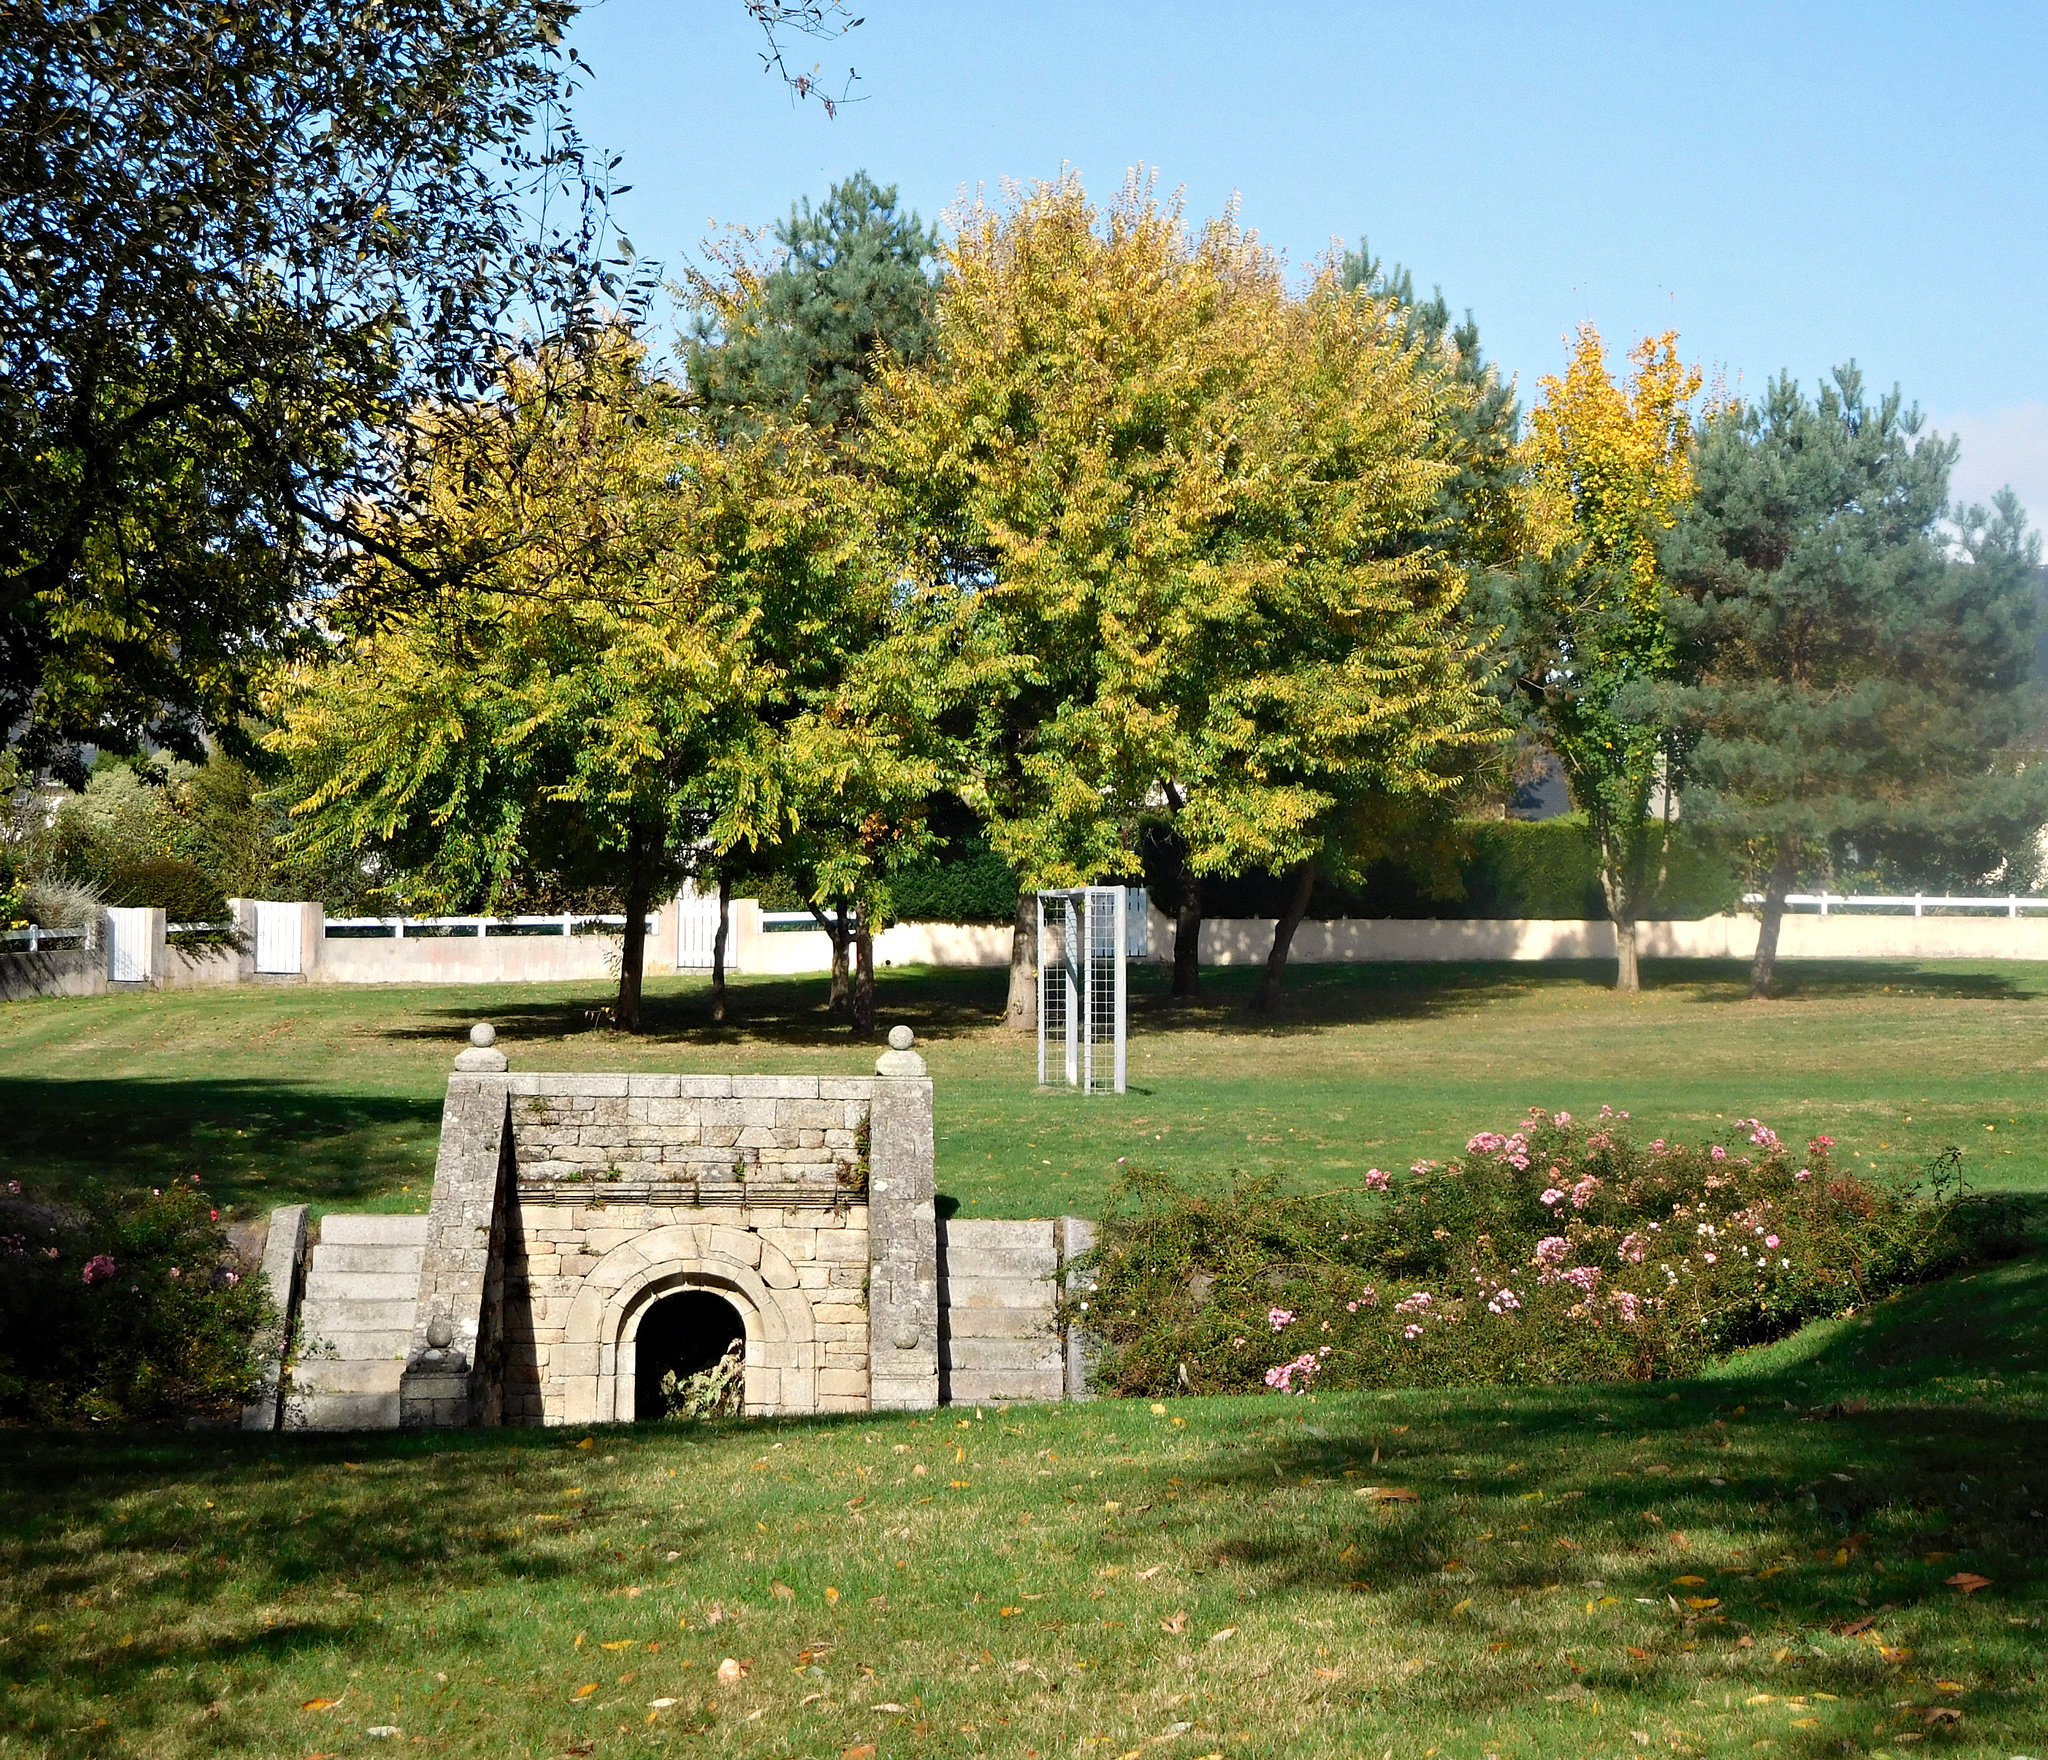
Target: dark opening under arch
pixel 684 1334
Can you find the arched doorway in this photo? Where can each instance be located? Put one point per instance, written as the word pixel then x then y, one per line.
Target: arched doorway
pixel 682 1335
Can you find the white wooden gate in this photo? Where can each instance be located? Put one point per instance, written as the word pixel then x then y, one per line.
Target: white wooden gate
pixel 696 927
pixel 277 938
pixel 127 945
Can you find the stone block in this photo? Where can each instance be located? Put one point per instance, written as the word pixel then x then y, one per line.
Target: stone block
pixel 842 1382
pixel 654 1087
pixel 861 1088
pixel 776 1087
pixel 736 1244
pixel 842 1246
pixel 579 1399
pixel 845 1313
pixel 704 1087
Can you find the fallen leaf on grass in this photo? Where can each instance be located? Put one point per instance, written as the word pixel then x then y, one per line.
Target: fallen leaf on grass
pixel 831 1596
pixel 1948 1686
pixel 859 1751
pixel 584 1691
pixel 1702 1601
pixel 958 1484
pixel 1688 1582
pixel 321 1704
pixel 891 1706
pixel 1967 1581
pixel 781 1591
pixel 1941 1714
pixel 732 1669
pixel 1761 1699
pixel 662 1704
pixel 1806 1723
pixel 1889 1654
pixel 1178 1623
pixel 619 1644
pixel 1460 1608
pixel 1331 1674
pixel 1856 1627
pixel 1388 1494
pixel 1147 1576
pixel 1639 1655
pixel 1227 1633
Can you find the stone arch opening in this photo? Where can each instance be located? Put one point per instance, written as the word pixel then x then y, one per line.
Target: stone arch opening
pixel 682 1334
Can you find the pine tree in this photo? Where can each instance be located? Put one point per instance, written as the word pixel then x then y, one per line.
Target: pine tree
pixel 1856 680
pixel 852 278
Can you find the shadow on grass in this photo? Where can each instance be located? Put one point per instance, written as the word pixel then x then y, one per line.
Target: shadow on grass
pixel 935 1003
pixel 253 1143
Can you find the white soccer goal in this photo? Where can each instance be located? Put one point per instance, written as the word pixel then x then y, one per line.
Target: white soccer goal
pixel 1084 933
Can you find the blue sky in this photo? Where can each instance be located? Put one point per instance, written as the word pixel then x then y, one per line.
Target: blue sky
pixel 1787 185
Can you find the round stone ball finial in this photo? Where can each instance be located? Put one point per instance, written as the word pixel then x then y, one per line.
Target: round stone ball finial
pixel 482 1058
pixel 440 1335
pixel 899 1059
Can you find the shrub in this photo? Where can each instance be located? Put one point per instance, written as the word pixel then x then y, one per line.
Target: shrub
pixel 180 890
pixel 977 886
pixel 1558 1251
pixel 124 1309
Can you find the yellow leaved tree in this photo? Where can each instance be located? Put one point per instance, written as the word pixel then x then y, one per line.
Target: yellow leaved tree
pixel 1609 468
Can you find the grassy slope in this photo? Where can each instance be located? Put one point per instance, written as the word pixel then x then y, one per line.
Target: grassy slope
pixel 334 1095
pixel 1586 1571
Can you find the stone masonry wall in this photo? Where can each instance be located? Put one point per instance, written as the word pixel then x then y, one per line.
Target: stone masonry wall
pixel 629 1188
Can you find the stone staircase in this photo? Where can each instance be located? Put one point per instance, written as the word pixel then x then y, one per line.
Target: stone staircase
pixel 355 1323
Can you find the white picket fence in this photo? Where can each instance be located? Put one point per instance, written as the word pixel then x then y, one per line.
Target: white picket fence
pixel 1919 904
pixel 34 939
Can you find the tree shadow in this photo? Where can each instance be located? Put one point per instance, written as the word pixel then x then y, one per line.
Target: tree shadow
pixel 934 1002
pixel 253 1143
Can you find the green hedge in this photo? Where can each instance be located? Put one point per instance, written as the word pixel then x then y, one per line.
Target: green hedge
pixel 1515 868
pixel 977 886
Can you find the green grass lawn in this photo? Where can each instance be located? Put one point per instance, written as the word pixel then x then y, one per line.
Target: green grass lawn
pixel 1749 1565
pixel 334 1095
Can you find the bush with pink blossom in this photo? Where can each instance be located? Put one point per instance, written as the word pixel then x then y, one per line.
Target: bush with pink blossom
pixel 123 1309
pixel 1563 1250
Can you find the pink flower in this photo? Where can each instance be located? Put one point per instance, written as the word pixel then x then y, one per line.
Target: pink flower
pixel 1820 1142
pixel 1350 1307
pixel 1770 1240
pixel 195 1179
pixel 1505 1301
pixel 1718 1153
pixel 1411 1332
pixel 1625 1304
pixel 1484 1143
pixel 1656 1145
pixel 1564 1118
pixel 14 1188
pixel 1630 1252
pixel 98 1269
pixel 1281 1375
pixel 1582 1193
pixel 213 1216
pixel 1417 1303
pixel 174 1271
pixel 1375 1179
pixel 1552 1250
pixel 1279 1318
pixel 1710 1258
pixel 1804 1173
pixel 1420 1166
pixel 1553 1196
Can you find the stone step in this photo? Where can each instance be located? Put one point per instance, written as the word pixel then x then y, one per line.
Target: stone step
pixel 1034 1354
pixel 342 1411
pixel 373 1231
pixel 1001 1322
pixel 959 1262
pixel 382 1260
pixel 1011 1385
pixel 329 1316
pixel 323 1285
pixel 324 1377
pixel 1000 1232
pixel 339 1345
pixel 996 1292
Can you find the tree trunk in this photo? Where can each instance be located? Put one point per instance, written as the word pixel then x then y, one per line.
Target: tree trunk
pixel 1187 941
pixel 1628 979
pixel 864 969
pixel 718 950
pixel 1763 970
pixel 1268 991
pixel 840 931
pixel 640 853
pixel 1621 910
pixel 1021 1016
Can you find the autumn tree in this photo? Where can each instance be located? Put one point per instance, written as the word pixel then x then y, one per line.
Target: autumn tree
pixel 1852 678
pixel 1163 508
pixel 1610 468
pixel 613 681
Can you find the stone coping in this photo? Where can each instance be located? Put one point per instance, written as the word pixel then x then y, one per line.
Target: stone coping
pixel 616 1087
pixel 694 1194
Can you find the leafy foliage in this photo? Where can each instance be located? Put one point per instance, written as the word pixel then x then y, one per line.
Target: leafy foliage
pixel 1609 467
pixel 124 1309
pixel 1850 685
pixel 1558 1251
pixel 800 340
pixel 236 241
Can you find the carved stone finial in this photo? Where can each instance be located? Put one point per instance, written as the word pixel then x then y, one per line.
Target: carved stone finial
pixel 899 1059
pixel 481 1058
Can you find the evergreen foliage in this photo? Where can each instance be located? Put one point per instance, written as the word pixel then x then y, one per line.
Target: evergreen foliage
pixel 802 339
pixel 1857 693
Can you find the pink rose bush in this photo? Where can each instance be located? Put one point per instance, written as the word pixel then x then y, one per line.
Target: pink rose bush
pixel 123 1308
pixel 1561 1250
